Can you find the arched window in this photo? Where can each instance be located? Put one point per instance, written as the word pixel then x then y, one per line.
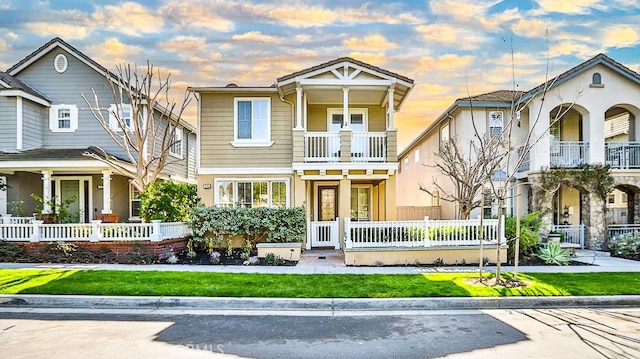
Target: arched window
pixel 597 79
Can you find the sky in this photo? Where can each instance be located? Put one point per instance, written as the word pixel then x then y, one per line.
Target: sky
pixel 450 48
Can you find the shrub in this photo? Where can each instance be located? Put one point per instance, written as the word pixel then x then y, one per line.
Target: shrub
pixel 529 234
pixel 168 201
pixel 626 246
pixel 214 225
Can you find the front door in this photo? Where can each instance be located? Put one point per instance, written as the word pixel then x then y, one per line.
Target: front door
pixel 324 231
pixel 78 189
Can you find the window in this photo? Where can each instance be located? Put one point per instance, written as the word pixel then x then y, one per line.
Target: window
pixel 596 79
pixel 488 203
pixel 444 135
pixel 495 123
pixel 360 202
pixel 134 203
pixel 406 161
pixel 252 193
pixel 611 199
pixel 60 63
pixel 416 158
pixel 252 121
pixel 63 118
pixel 359 117
pixel 623 198
pixel 176 142
pixel 124 112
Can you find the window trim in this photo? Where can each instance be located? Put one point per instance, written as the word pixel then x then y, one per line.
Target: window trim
pixel 251 142
pixel 490 118
pixel 235 181
pixel 446 126
pixel 53 118
pixel 180 134
pixel 369 188
pixel 131 200
pixel 113 122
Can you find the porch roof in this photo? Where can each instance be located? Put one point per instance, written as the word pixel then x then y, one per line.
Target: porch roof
pixel 60 158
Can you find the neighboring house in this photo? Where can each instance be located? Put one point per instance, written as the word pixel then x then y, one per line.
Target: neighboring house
pixel 47 126
pixel 601 127
pixel 323 138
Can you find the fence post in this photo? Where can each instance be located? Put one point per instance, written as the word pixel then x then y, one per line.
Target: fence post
pixel 503 240
pixel 6 219
pixel 308 244
pixel 426 232
pixel 156 236
pixel 35 236
pixel 347 233
pixel 581 236
pixel 95 231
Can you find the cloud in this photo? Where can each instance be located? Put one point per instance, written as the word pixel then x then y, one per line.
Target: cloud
pixel 374 42
pixel 450 35
pixel 620 36
pixel 574 7
pixel 196 14
pixel 112 50
pixel 572 48
pixel 255 36
pixel 128 18
pixel 181 44
pixel 462 10
pixel 65 31
pixel 3 46
pixel 450 63
pixel 532 28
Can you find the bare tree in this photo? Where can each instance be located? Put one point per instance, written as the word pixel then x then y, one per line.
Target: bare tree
pixel 144 122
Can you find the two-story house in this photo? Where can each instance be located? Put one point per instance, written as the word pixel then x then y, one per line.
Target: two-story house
pixel 587 115
pixel 323 138
pixel 47 127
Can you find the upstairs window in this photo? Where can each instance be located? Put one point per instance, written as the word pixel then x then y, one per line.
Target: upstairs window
pixel 124 111
pixel 176 143
pixel 416 158
pixel 596 79
pixel 495 123
pixel 63 118
pixel 252 121
pixel 444 135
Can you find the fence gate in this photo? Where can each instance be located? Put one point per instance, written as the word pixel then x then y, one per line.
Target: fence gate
pixel 323 234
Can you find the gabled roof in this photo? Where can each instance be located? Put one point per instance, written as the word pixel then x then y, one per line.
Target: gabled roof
pixel 495 96
pixel 52 154
pixel 341 60
pixel 12 83
pixel 600 59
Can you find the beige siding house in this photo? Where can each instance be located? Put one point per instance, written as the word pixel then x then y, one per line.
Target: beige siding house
pixel 600 102
pixel 323 138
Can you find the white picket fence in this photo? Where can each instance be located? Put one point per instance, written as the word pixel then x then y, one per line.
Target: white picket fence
pixel 426 233
pixel 96 231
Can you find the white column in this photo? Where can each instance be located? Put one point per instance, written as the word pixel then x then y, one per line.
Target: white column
pixel 106 192
pixel 18 123
pixel 390 105
pixel 346 119
pixel 304 109
pixel 298 107
pixel 46 191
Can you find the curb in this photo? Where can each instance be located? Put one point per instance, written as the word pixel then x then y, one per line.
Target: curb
pixel 319 304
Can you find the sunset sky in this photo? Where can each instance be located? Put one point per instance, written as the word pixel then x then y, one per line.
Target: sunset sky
pixel 451 48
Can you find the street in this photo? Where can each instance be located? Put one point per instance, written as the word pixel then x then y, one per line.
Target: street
pixel 549 333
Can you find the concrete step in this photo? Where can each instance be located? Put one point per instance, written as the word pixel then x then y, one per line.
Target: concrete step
pixel 322 257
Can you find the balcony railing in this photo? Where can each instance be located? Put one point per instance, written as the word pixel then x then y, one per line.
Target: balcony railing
pixel 622 154
pixel 368 147
pixel 327 147
pixel 568 153
pixel 322 147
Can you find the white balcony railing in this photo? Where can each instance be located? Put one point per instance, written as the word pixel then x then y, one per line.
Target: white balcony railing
pixel 368 146
pixel 622 154
pixel 573 233
pixel 568 153
pixel 322 147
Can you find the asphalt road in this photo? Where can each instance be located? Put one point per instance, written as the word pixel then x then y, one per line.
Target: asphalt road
pixel 528 333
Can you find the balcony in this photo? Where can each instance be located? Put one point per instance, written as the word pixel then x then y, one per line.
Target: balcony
pixel 622 155
pixel 351 147
pixel 568 153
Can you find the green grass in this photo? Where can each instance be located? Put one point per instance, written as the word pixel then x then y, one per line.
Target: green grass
pixel 142 283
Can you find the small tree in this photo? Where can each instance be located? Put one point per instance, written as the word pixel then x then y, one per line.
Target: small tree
pixel 146 133
pixel 168 201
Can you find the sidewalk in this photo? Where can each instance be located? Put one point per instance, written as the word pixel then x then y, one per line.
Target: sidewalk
pixel 595 262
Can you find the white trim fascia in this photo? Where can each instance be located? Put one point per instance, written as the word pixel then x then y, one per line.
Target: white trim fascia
pixel 232 89
pixel 368 177
pixel 345 82
pixel 49 49
pixel 321 177
pixel 246 171
pixel 19 122
pixel 198 135
pixel 53 164
pixel 28 96
pixel 252 143
pixel 4 84
pixel 387 166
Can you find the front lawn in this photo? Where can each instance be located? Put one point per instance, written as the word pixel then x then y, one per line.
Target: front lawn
pixel 142 283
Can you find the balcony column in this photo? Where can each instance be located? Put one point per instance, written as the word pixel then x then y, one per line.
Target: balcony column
pixel 46 191
pixel 345 108
pixel 390 109
pixel 594 121
pixel 106 192
pixel 298 107
pixel 304 110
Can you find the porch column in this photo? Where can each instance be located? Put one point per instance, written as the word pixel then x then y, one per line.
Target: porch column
pixel 106 192
pixel 390 209
pixel 390 110
pixel 304 110
pixel 595 122
pixel 298 107
pixel 299 191
pixel 46 191
pixel 597 217
pixel 344 204
pixel 346 119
